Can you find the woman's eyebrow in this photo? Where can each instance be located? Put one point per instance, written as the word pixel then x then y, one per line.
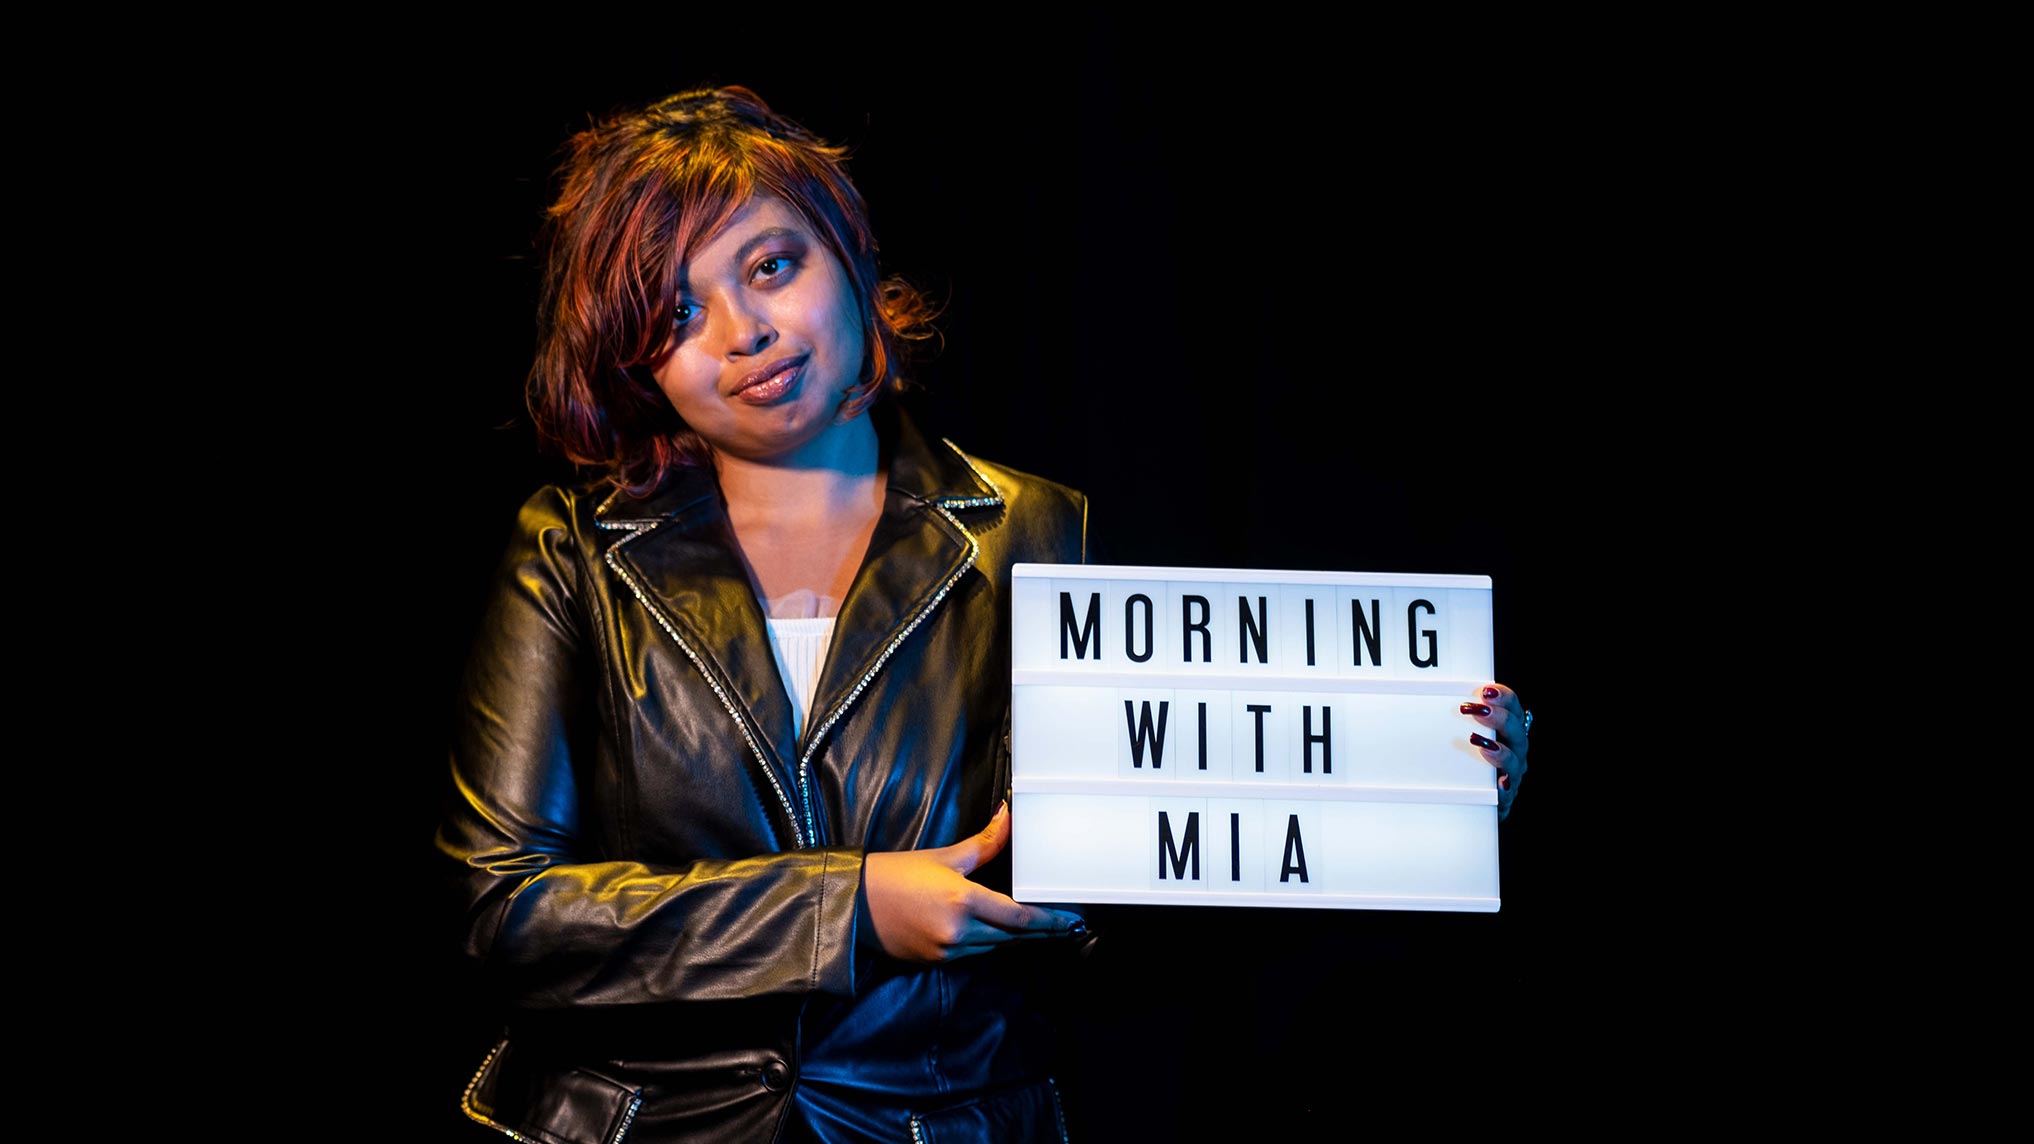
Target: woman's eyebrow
pixel 760 238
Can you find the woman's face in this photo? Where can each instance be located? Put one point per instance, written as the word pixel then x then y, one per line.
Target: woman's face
pixel 767 336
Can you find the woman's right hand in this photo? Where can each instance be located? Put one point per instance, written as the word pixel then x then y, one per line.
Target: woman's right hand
pixel 924 908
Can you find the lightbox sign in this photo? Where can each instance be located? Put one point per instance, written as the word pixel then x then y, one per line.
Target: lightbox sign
pixel 1238 737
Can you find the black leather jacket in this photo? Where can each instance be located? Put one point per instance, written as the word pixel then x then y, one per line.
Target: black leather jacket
pixel 661 880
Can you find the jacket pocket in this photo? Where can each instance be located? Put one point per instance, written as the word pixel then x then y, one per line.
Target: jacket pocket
pixel 1028 1114
pixel 549 1103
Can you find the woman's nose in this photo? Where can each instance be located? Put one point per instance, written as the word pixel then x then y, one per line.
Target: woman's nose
pixel 749 331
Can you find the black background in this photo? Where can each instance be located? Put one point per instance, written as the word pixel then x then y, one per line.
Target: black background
pixel 1272 299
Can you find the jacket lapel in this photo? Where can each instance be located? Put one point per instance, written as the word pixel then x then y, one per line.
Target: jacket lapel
pixel 913 556
pixel 918 551
pixel 685 560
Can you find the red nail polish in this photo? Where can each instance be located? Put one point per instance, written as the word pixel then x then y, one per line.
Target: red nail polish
pixel 1503 782
pixel 1486 744
pixel 1475 709
pixel 1490 693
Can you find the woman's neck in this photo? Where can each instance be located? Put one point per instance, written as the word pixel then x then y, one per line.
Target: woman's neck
pixel 836 478
pixel 805 525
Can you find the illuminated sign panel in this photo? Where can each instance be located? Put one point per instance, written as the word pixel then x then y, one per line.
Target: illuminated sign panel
pixel 1226 737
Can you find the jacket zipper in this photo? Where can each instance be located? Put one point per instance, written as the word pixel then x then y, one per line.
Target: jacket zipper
pixel 819 736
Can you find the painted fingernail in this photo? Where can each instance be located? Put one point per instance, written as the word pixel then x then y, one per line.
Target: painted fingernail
pixel 1475 709
pixel 1503 781
pixel 1486 744
pixel 1490 693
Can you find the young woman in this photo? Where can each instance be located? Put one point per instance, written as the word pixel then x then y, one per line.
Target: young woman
pixel 733 737
pixel 734 731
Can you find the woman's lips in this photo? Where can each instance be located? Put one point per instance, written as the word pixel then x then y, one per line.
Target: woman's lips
pixel 771 383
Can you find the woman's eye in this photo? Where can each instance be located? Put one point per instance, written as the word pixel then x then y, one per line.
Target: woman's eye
pixel 775 266
pixel 682 314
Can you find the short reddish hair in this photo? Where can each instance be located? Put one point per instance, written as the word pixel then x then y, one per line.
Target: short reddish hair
pixel 639 188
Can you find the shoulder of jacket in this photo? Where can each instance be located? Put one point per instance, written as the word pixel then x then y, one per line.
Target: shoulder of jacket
pixel 1023 491
pixel 569 507
pixel 1047 521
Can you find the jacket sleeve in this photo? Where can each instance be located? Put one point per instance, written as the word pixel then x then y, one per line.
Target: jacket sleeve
pixel 555 924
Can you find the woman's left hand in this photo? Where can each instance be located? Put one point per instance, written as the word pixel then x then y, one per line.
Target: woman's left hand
pixel 1499 709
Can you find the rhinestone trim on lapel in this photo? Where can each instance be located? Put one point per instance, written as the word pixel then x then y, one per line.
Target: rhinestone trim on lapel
pixel 995 493
pixel 663 621
pixel 897 641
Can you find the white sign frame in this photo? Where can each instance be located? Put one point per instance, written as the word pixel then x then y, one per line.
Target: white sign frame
pixel 1409 822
